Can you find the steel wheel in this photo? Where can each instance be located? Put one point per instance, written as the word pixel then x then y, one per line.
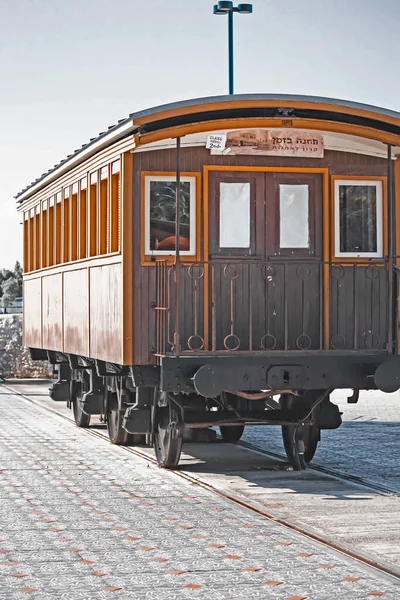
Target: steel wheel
pixel 77 389
pixel 168 435
pixel 231 433
pixel 117 434
pixel 300 441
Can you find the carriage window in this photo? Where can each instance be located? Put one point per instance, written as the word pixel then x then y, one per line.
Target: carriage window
pixel 294 216
pixel 234 215
pixel 358 212
pixel 160 203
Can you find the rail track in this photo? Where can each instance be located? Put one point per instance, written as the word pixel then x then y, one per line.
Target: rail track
pixel 365 483
pixel 385 569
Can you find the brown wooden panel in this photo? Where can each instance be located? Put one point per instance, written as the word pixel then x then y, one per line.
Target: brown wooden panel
pixel 302 291
pixel 268 317
pixel 191 307
pixel 32 322
pixel 52 328
pixel 76 312
pixel 358 307
pixel 105 306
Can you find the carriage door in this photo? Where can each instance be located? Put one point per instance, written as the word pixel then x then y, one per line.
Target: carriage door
pixel 294 254
pixel 264 252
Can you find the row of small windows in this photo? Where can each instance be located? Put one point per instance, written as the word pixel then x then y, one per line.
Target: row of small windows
pixel 80 221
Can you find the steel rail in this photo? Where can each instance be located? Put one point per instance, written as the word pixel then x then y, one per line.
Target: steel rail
pixel 384 568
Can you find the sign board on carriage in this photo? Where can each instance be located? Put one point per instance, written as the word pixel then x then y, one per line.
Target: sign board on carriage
pixel 274 142
pixel 216 142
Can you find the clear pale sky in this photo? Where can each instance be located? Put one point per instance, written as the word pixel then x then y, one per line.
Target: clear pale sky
pixel 70 68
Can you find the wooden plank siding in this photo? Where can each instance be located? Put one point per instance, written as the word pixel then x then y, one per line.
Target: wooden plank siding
pixel 102 306
pixel 105 309
pixel 76 311
pixel 73 284
pixel 32 321
pixel 193 160
pixel 52 312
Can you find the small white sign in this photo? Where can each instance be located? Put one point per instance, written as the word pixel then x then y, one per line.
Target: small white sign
pixel 216 142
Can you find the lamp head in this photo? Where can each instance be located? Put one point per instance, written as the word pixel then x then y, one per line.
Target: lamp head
pixel 224 6
pixel 216 10
pixel 245 9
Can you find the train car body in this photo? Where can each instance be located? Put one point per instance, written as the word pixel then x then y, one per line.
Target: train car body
pixel 277 279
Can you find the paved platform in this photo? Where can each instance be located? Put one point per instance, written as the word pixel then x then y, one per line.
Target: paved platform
pixel 83 519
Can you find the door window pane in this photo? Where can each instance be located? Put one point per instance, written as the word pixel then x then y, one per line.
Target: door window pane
pixel 294 216
pixel 234 215
pixel 358 206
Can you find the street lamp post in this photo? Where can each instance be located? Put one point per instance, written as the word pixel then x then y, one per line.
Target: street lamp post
pixel 225 7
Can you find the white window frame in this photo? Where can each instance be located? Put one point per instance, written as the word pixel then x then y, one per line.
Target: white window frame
pixel 379 218
pixel 192 225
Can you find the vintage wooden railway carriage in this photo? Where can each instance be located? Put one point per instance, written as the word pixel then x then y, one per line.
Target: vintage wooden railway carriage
pixel 222 261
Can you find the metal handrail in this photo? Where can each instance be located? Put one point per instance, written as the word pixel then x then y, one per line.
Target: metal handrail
pixel 221 284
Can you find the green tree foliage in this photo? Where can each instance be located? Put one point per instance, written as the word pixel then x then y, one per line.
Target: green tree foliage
pixel 18 277
pixel 10 291
pixel 10 284
pixel 5 274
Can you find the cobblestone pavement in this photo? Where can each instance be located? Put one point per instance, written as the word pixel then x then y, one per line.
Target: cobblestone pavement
pixel 367 444
pixel 83 519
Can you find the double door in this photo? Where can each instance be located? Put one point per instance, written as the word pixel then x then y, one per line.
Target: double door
pixel 265 283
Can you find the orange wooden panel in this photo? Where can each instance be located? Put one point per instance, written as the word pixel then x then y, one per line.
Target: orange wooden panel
pixel 52 323
pixel 92 216
pixel 396 167
pixel 82 225
pixel 169 112
pixel 115 213
pixel 103 217
pixel 76 312
pixel 127 255
pixel 32 320
pixel 65 231
pixel 44 238
pixel 244 123
pixel 26 244
pixel 50 249
pixel 31 244
pixel 397 230
pixel 106 312
pixel 37 241
pixel 74 227
pixel 57 234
